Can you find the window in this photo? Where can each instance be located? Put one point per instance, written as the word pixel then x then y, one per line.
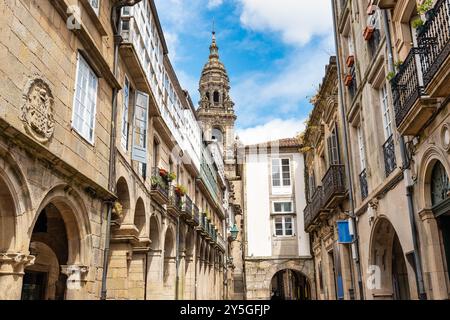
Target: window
pixel 85 100
pixel 155 153
pixel 362 148
pixel 281 173
pixel 387 122
pixel 440 184
pixel 95 4
pixel 140 127
pixel 333 148
pixel 217 135
pixel 282 207
pixel 284 227
pixel 126 101
pixel 216 97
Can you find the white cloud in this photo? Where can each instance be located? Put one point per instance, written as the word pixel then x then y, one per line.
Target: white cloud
pixel 214 3
pixel 295 78
pixel 297 20
pixel 272 130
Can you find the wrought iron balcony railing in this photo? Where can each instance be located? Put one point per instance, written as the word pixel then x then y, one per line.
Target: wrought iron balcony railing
pixel 159 184
pixel 374 42
pixel 406 87
pixel 175 199
pixel 353 86
pixel 434 39
pixel 363 184
pixel 221 242
pixel 196 213
pixel 333 183
pixel 187 206
pixel 390 163
pixel 313 208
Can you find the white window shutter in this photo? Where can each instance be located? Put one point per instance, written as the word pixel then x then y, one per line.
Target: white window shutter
pixel 140 127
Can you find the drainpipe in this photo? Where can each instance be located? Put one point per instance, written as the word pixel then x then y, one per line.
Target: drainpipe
pixel 348 171
pixel 115 22
pixel 177 263
pixel 407 175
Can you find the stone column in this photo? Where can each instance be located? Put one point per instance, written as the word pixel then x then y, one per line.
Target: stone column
pixel 189 284
pixel 182 275
pixel 76 281
pixel 154 273
pixel 12 269
pixel 432 257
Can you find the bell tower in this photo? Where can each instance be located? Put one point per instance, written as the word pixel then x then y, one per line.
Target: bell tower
pixel 216 110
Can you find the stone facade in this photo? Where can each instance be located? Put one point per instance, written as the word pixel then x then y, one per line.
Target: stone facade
pixel 394 99
pixel 125 196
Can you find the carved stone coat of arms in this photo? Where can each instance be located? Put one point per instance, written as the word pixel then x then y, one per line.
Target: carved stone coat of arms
pixel 37 110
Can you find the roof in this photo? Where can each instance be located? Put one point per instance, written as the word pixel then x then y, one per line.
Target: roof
pixel 282 143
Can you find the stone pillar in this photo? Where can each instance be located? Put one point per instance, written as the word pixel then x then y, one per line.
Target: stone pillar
pixel 154 275
pixel 432 257
pixel 76 281
pixel 12 269
pixel 182 276
pixel 170 269
pixel 189 284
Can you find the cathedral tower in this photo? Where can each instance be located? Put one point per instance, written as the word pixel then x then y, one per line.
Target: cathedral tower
pixel 216 110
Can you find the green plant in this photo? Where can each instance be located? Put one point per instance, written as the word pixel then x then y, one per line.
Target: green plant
pixel 171 176
pixel 390 75
pixel 417 23
pixel 180 190
pixel 156 180
pixel 424 7
pixel 398 64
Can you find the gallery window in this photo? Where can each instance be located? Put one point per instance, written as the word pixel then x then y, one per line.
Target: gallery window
pixel 284 226
pixel 281 173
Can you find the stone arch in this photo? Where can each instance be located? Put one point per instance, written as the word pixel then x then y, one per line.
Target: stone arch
pixel 290 284
pixel 76 220
pixel 15 200
pixel 155 234
pixel 140 220
pixel 426 165
pixel 190 242
pixel 387 261
pixel 123 195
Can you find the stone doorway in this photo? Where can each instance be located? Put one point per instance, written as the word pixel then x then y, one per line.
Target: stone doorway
pixel 290 285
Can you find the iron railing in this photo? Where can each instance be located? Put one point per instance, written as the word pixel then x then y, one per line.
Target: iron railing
pixel 353 87
pixel 333 182
pixel 196 213
pixel 313 208
pixel 374 42
pixel 159 183
pixel 187 205
pixel 434 39
pixel 175 198
pixel 363 184
pixel 406 87
pixel 390 163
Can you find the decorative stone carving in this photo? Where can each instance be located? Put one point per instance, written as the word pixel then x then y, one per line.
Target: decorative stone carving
pixel 76 275
pixel 15 263
pixel 37 110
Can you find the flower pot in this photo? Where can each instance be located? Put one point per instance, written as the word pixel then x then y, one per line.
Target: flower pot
pixel 163 172
pixel 350 61
pixel 420 30
pixel 368 32
pixel 348 80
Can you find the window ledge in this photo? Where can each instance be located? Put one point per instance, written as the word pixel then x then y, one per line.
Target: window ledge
pixel 94 17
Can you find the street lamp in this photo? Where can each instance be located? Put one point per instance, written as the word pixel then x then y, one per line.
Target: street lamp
pixel 234 231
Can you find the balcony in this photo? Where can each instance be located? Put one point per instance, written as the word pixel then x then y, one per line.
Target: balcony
pixel 313 209
pixel 196 214
pixel 187 208
pixel 434 39
pixel 221 243
pixel 390 163
pixel 159 188
pixel 333 184
pixel 364 186
pixel 175 203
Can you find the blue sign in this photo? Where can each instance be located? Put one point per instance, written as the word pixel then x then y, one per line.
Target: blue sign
pixel 344 232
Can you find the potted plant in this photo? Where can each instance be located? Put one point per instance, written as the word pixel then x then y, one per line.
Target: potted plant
pixel 171 176
pixel 368 32
pixel 390 75
pixel 180 190
pixel 348 80
pixel 163 172
pixel 350 60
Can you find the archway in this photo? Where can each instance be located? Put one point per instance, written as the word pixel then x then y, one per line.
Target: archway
pixel 440 200
pixel 123 195
pixel 139 217
pixel 389 263
pixel 288 284
pixel 7 217
pixel 55 246
pixel 169 268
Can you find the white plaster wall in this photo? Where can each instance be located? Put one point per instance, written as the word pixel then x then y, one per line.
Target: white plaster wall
pixel 258 206
pixel 300 204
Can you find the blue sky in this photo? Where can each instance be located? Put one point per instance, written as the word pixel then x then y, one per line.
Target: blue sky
pixel 275 52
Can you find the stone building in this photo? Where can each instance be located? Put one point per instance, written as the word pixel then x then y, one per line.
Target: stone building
pixel 278 262
pixel 108 188
pixel 327 192
pixel 392 70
